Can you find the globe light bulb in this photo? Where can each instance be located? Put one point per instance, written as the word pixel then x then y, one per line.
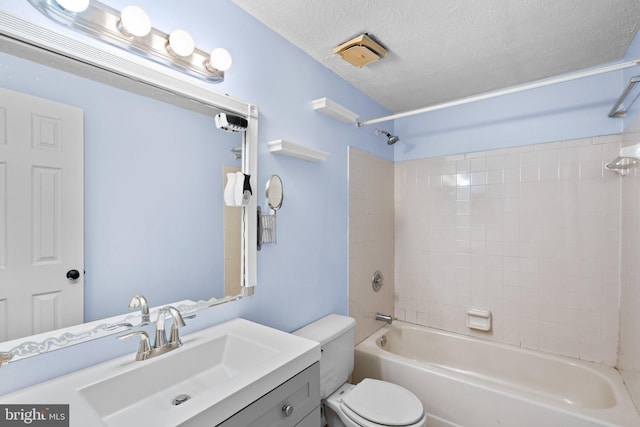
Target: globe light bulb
pixel 220 59
pixel 180 43
pixel 75 6
pixel 134 21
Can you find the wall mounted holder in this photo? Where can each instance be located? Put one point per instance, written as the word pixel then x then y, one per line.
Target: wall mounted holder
pixel 617 110
pixel 291 149
pixel 267 223
pixel 334 110
pixel 479 319
pixel 628 159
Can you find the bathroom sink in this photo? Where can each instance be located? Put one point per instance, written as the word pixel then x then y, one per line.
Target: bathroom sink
pixel 189 372
pixel 217 372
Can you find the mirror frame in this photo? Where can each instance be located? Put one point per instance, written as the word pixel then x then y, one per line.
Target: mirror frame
pixel 275 179
pixel 111 65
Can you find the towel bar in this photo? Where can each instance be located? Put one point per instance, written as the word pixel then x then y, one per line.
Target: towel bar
pixel 615 111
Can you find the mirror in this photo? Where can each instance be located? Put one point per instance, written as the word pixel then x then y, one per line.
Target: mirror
pixel 267 230
pixel 153 193
pixel 274 192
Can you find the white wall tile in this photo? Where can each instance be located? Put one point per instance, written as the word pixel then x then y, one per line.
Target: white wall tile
pixel 629 344
pixel 530 238
pixel 372 184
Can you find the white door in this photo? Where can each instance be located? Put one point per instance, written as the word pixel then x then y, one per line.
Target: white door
pixel 41 215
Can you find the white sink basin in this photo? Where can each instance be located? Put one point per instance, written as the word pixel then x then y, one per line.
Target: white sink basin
pixel 221 369
pixel 191 371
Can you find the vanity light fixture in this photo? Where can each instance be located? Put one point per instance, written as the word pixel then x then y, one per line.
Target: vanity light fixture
pixel 219 59
pixel 134 22
pixel 180 43
pixel 131 29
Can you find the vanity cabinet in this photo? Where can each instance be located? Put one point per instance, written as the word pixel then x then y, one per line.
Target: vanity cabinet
pixel 294 403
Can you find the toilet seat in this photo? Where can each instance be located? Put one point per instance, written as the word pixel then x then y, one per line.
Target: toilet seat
pixel 374 403
pixel 362 422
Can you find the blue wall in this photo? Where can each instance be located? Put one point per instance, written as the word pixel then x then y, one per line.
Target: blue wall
pixel 304 276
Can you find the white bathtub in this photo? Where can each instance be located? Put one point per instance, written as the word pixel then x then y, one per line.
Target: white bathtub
pixel 469 382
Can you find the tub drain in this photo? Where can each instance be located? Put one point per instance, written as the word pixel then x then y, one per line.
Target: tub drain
pixel 180 399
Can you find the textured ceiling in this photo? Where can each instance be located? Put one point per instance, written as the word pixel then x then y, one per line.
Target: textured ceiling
pixel 440 50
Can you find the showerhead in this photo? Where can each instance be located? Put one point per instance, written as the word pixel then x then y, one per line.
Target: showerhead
pixel 391 138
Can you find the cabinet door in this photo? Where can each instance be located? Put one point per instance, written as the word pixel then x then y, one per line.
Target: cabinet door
pixel 312 420
pixel 284 406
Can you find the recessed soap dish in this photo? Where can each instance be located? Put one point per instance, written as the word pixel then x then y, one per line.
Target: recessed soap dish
pixel 479 319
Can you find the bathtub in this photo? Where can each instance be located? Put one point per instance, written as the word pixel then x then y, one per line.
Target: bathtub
pixel 463 381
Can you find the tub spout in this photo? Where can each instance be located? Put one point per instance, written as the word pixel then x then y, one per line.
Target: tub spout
pixel 384 317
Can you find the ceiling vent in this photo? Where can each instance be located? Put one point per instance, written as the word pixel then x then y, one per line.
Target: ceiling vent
pixel 360 50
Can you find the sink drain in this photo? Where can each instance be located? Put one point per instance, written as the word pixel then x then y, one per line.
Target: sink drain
pixel 180 399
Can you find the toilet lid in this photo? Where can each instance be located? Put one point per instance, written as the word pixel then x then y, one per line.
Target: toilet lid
pixel 384 403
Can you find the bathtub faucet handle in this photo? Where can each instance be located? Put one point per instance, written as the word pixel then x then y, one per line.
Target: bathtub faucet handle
pixel 384 317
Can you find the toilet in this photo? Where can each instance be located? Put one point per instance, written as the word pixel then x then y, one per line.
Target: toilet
pixel 371 403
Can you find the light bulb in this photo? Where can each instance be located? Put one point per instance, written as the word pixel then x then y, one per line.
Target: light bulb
pixel 180 43
pixel 134 21
pixel 220 59
pixel 75 6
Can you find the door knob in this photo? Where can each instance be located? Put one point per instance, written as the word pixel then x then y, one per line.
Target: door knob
pixel 73 274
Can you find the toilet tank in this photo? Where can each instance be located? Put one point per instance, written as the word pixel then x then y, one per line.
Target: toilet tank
pixel 336 335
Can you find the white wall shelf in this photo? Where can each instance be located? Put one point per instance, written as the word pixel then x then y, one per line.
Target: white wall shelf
pixel 334 110
pixel 291 149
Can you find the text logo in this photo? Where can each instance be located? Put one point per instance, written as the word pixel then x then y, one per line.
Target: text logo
pixel 34 415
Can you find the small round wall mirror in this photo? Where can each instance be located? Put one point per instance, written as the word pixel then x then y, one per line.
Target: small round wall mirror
pixel 274 192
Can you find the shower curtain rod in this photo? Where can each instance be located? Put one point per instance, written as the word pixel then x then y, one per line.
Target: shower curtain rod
pixel 508 91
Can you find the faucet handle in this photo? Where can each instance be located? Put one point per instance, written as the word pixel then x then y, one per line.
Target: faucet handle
pixel 178 322
pixel 144 349
pixel 174 338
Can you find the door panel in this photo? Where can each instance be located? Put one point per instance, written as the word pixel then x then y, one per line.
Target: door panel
pixel 41 215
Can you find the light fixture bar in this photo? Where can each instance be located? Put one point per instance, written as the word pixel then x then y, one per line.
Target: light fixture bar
pixel 104 22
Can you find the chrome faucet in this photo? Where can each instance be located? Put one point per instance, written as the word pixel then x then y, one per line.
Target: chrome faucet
pixel 161 336
pixel 161 345
pixel 384 317
pixel 138 301
pixel 144 349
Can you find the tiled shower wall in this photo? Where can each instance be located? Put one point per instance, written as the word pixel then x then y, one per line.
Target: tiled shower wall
pixel 371 245
pixel 531 233
pixel 629 345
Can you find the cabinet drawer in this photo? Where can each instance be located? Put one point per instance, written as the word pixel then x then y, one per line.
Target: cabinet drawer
pixel 284 406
